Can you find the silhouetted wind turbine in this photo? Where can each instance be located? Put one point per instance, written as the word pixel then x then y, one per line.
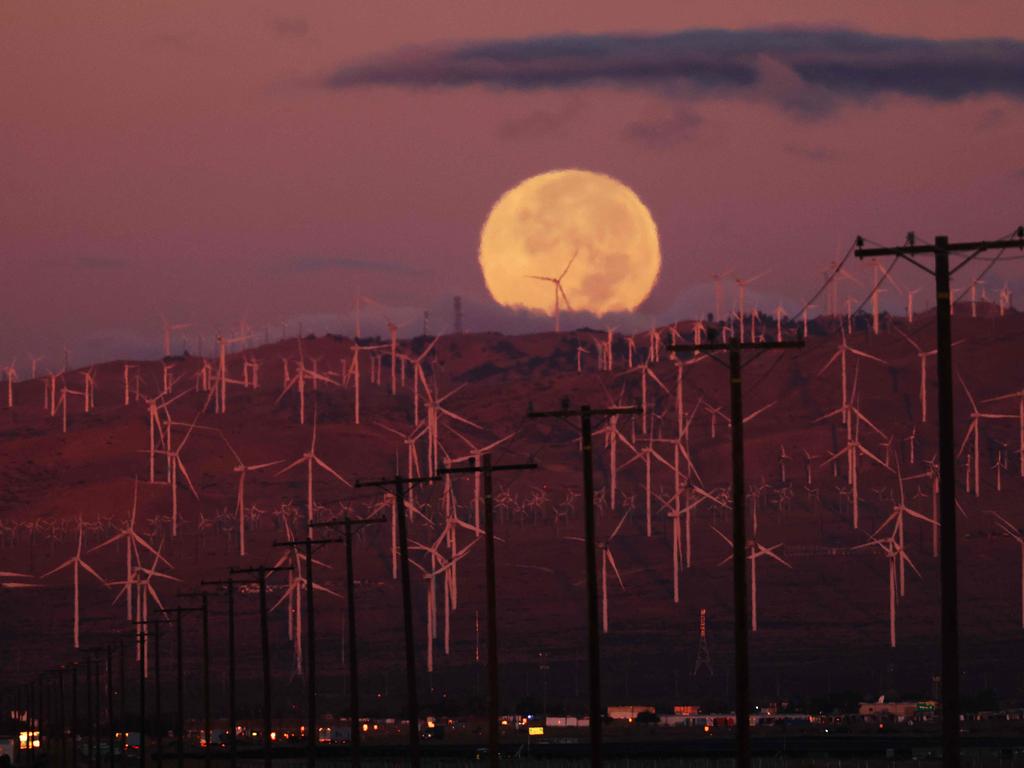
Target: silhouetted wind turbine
pixel 559 291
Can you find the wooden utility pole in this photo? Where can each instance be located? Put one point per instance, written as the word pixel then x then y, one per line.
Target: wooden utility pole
pixel 739 526
pixel 232 670
pixel 204 609
pixel 396 485
pixel 312 735
pixel 942 273
pixel 260 578
pixel 353 653
pixel 487 470
pixel 586 415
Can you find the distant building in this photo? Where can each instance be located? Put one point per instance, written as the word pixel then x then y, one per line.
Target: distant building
pixel 896 710
pixel 628 712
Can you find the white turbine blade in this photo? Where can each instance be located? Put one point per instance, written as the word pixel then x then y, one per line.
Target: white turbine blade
pixel 865 355
pixel 188 480
pixel 615 531
pixel 758 412
pixel 770 552
pixel 615 568
pixel 326 468
pixel 60 567
pixel 89 569
pixel 292 466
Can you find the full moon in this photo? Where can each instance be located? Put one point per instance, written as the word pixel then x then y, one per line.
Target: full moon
pixel 586 230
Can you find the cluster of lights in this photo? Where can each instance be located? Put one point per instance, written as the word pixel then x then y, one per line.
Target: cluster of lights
pixel 28 739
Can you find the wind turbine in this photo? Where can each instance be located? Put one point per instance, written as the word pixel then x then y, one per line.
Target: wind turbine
pixel 741 285
pixel 559 291
pixel 310 458
pixel 133 544
pixel 754 550
pixel 170 328
pixel 75 562
pixel 243 469
pixel 607 559
pixel 974 430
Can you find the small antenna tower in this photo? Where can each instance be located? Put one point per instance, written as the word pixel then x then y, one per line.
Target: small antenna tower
pixel 458 314
pixel 703 651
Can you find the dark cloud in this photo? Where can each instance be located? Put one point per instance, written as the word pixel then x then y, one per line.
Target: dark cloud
pixel 320 263
pixel 804 70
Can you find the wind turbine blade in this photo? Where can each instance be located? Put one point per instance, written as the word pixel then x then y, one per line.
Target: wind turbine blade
pixel 89 568
pixel 291 466
pixel 184 472
pixel 561 290
pixel 615 568
pixel 323 465
pixel 615 531
pixel 770 552
pixel 60 567
pixel 564 271
pixel 725 538
pixel 758 412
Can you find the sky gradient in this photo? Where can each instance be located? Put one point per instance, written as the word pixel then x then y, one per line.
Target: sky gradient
pixel 254 161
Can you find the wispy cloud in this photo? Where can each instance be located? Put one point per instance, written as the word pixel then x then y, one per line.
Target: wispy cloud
pixel 539 122
pixel 658 133
pixel 321 263
pixel 804 70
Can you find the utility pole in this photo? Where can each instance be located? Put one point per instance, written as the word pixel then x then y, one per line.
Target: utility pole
pixel 60 717
pixel 151 628
pixel 942 273
pixel 311 718
pixel 140 635
pixel 110 703
pixel 487 470
pixel 739 525
pixel 261 579
pixel 180 680
pixel 586 415
pixel 74 714
pixel 396 485
pixel 122 709
pixel 353 653
pixel 232 670
pixel 204 608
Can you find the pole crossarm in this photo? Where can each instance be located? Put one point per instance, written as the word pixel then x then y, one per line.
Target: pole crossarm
pixel 258 571
pixel 567 412
pixel 348 522
pixel 721 347
pixel 304 542
pixel 387 483
pixel 915 250
pixel 472 467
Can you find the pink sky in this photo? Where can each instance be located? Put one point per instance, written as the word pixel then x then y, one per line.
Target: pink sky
pixel 186 158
